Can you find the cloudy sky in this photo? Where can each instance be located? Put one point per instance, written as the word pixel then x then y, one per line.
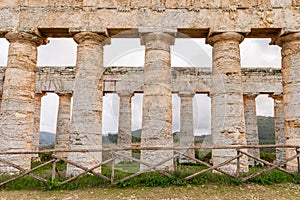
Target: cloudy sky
pixel 129 52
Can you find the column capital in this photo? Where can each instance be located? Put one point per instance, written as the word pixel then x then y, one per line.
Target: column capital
pixel 125 94
pixel 26 37
pixel 226 36
pixel 96 38
pixel 276 96
pixel 148 38
pixel 40 94
pixel 250 96
pixel 282 40
pixel 186 94
pixel 64 94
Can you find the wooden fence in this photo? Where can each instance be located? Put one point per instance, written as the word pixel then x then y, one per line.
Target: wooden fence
pixel 116 153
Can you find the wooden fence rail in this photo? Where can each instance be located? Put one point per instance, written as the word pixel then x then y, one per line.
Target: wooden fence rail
pixel 116 154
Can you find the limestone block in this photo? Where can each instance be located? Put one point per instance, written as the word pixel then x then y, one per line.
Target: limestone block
pixel 63 124
pixel 17 113
pixel 10 3
pixel 9 19
pixel 99 3
pixel 186 126
pixel 290 61
pixel 36 128
pixel 86 122
pixel 157 100
pixel 228 121
pixel 279 127
pixel 124 131
pixel 251 127
pixel 34 3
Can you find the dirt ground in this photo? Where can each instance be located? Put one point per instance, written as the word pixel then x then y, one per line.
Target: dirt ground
pixel 249 191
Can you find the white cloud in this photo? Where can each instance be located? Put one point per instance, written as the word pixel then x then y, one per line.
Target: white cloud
pixel 137 102
pixel 191 52
pixel 59 52
pixel 258 53
pixel 3 51
pixel 124 52
pixel 264 105
pixel 49 112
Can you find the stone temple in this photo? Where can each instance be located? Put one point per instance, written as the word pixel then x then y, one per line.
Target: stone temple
pixel 27 24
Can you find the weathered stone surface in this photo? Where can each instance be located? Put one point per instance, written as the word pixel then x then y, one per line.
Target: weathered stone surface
pixel 86 122
pixel 291 92
pixel 59 80
pixel 251 126
pixel 63 124
pixel 186 126
pixel 157 99
pixel 227 113
pixel 124 133
pixel 17 113
pixel 197 79
pixel 36 127
pixel 195 17
pixel 279 127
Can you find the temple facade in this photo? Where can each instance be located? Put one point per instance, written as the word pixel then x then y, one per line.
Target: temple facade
pixel 92 23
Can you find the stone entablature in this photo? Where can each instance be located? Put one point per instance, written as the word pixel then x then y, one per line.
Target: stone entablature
pixel 195 18
pixel 117 79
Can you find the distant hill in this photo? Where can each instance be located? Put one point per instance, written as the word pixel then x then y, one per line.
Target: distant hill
pixel 136 136
pixel 266 131
pixel 112 138
pixel 46 138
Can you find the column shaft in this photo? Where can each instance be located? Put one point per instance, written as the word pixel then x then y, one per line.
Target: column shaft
pixel 86 122
pixel 36 128
pixel 186 125
pixel 228 121
pixel 279 127
pixel 124 133
pixel 17 114
pixel 251 126
pixel 291 92
pixel 157 100
pixel 63 124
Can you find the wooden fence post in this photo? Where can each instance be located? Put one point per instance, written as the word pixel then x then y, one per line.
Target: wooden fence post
pixel 238 164
pixel 298 159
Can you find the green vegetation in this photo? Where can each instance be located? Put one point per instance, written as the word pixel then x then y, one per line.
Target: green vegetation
pixel 266 131
pixel 150 179
pixel 154 179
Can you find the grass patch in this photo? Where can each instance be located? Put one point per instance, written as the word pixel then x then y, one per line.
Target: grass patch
pixel 150 179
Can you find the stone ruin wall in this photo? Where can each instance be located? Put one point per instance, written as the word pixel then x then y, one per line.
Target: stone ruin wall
pixel 60 80
pixel 194 18
pixel 27 24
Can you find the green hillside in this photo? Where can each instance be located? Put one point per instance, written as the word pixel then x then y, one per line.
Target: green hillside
pixel 266 131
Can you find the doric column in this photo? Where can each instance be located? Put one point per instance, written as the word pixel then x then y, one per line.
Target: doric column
pixel 17 114
pixel 124 133
pixel 291 92
pixel 63 124
pixel 36 127
pixel 228 121
pixel 251 126
pixel 279 127
pixel 186 125
pixel 157 99
pixel 86 122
